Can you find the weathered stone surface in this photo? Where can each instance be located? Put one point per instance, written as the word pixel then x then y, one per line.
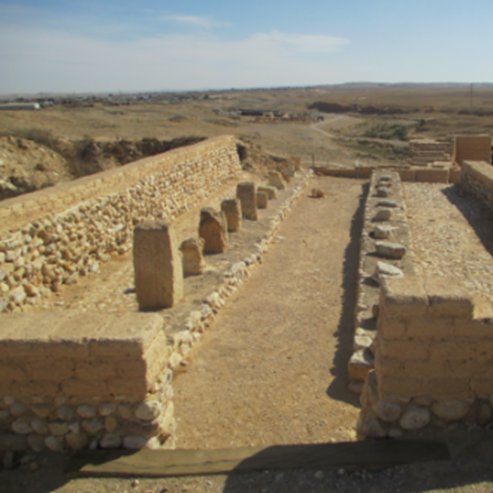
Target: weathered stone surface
pixel 233 213
pixel 135 441
pixel 383 269
pixel 212 229
pixel 387 203
pixel 387 411
pixel 369 426
pixel 17 409
pixel 76 440
pixel 270 191
pixel 92 426
pixel 107 408
pixel 55 444
pixel 39 426
pixel 247 193
pixel 382 214
pixel 382 231
pixel 382 191
pixel 361 342
pixel 193 260
pixel 110 440
pixel 453 410
pixel 390 249
pixel 262 200
pixel 65 412
pixel 58 428
pixel 21 426
pixel 414 418
pixel 360 363
pixel 36 442
pixel 148 410
pixel 275 180
pixel 158 266
pixel 86 411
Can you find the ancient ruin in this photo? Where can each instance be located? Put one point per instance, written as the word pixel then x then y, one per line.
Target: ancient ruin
pixel 70 379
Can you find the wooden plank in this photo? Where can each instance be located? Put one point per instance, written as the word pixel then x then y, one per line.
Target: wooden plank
pixel 162 463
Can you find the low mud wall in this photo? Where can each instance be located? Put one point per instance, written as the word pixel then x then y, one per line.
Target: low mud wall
pixel 69 381
pixel 432 362
pixel 477 178
pixel 53 236
pixel 411 174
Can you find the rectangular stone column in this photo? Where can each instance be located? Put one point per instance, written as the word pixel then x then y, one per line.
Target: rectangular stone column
pixel 232 211
pixel 247 193
pixel 157 265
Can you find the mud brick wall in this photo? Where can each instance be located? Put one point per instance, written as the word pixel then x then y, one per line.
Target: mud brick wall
pixel 477 178
pixel 472 147
pixel 69 381
pixel 433 360
pixel 53 236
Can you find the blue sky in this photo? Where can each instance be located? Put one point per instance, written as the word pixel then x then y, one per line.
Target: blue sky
pixel 92 46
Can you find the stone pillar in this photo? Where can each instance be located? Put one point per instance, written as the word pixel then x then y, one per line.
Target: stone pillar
pixel 232 211
pixel 262 200
pixel 193 260
pixel 247 193
pixel 276 180
pixel 157 265
pixel 270 191
pixel 212 229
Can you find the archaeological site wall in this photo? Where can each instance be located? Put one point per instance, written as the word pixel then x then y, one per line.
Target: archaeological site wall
pixel 51 237
pixel 72 381
pixel 429 343
pixel 477 178
pixel 472 147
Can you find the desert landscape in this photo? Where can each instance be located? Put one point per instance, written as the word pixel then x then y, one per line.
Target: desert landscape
pixel 338 291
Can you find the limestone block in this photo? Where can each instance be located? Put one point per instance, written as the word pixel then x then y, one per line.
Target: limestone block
pixel 158 266
pixel 390 249
pixel 276 180
pixel 403 297
pixel 445 298
pixel 212 229
pixel 262 200
pixel 384 270
pixel 192 258
pixel 360 364
pixel 270 191
pixel 382 231
pixel 382 214
pixel 453 410
pixel 414 418
pixel 247 193
pixel 233 213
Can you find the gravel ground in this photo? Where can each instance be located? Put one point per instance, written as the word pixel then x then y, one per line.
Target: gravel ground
pixel 451 236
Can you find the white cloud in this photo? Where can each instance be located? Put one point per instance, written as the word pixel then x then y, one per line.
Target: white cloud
pixel 194 21
pixel 42 60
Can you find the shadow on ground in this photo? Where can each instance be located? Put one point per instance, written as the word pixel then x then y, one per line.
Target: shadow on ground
pixel 475 212
pixel 338 389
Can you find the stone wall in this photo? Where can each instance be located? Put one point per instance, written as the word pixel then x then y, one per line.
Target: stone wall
pixel 69 381
pixel 440 172
pixel 53 236
pixel 433 360
pixel 384 225
pixel 477 178
pixel 472 147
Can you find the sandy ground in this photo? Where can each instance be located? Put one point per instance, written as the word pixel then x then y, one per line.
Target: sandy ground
pixel 268 371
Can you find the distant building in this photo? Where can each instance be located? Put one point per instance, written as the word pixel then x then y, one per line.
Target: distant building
pixel 20 106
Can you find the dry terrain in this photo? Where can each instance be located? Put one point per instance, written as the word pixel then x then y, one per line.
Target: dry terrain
pixel 271 370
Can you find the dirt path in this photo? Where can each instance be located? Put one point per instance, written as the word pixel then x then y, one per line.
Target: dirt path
pixel 263 373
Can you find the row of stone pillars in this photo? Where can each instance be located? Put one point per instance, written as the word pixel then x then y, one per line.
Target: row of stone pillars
pixel 160 265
